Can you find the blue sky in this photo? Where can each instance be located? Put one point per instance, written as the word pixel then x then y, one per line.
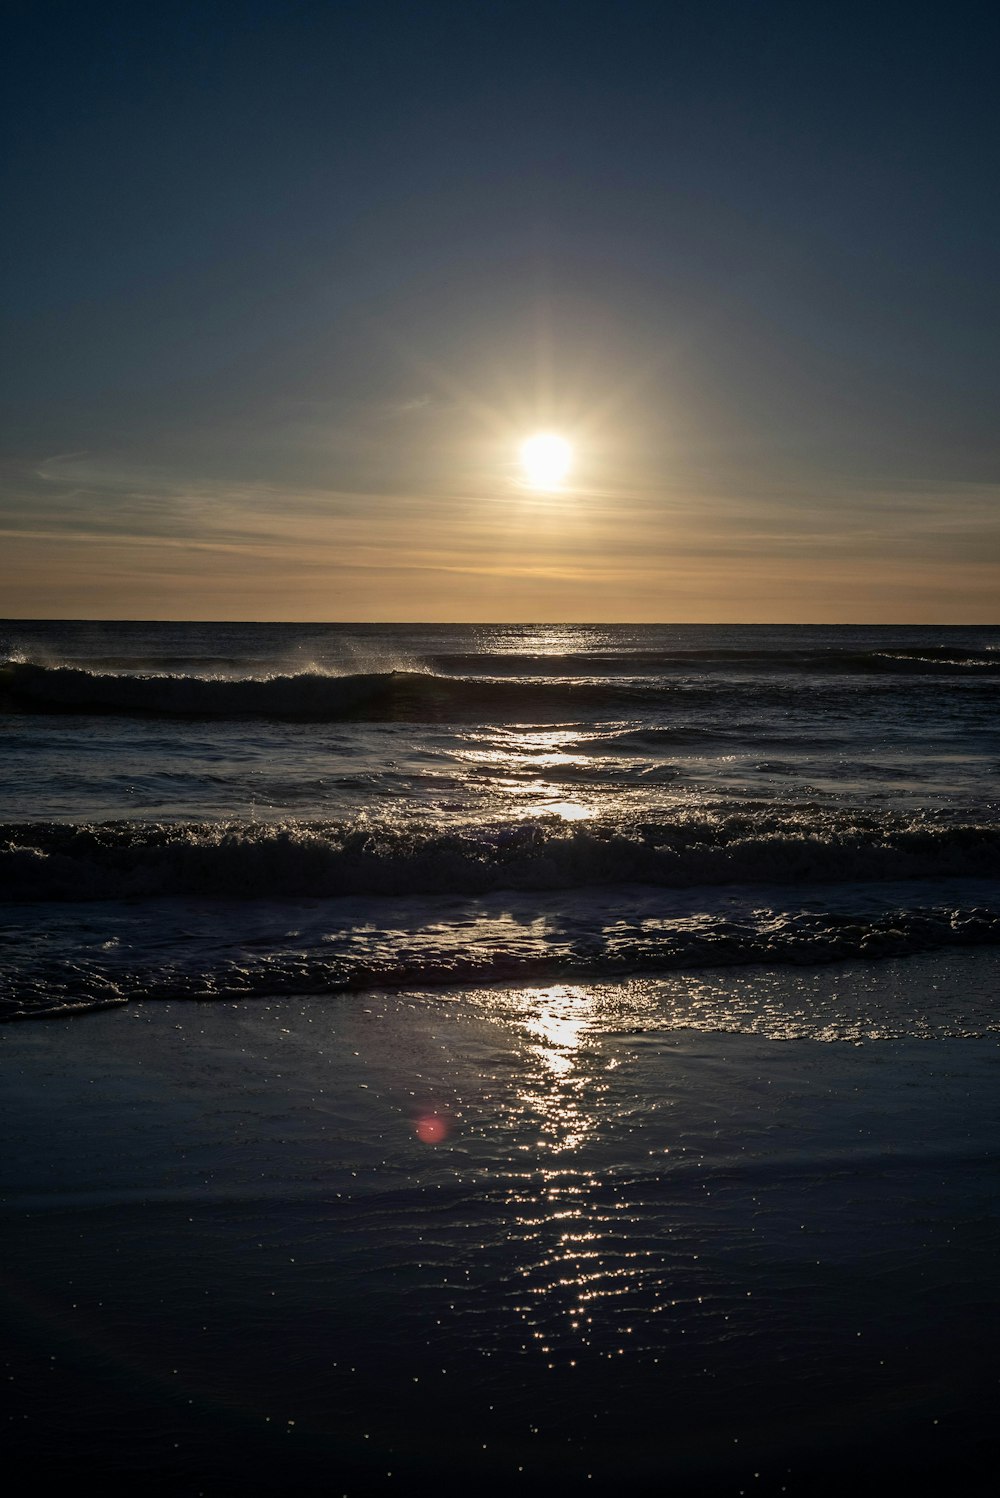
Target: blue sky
pixel 287 285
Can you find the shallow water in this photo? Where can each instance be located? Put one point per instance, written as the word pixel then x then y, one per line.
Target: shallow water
pixel 529 1236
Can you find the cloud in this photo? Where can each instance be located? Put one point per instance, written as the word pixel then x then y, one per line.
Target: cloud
pixel 117 531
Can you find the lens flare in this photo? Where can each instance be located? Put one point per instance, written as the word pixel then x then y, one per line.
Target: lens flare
pixel 431 1128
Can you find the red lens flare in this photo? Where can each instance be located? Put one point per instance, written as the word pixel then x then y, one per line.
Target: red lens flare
pixel 431 1128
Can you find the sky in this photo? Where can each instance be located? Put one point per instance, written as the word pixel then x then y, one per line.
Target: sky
pixel 287 285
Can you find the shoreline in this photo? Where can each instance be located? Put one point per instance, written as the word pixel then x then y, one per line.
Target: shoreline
pixel 484 1238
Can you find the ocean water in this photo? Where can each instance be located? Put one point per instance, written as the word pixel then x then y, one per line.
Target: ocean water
pixel 484 1166
pixel 231 810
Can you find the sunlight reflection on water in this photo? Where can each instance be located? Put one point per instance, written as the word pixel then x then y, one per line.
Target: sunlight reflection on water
pixel 568 811
pixel 557 1202
pixel 515 760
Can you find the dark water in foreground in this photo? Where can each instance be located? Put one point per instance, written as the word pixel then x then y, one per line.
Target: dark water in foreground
pixel 499 1240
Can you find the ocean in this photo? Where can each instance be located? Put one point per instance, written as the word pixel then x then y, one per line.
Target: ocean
pixel 560 1058
pixel 231 810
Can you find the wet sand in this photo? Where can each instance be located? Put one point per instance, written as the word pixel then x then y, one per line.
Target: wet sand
pixel 475 1240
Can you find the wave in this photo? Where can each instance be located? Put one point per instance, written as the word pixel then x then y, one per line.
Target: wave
pixel 30 687
pixel 482 947
pixel 124 860
pixel 920 660
pixel 309 696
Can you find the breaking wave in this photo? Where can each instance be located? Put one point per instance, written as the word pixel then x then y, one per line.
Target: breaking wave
pixel 383 696
pixel 308 696
pixel 493 941
pixel 116 860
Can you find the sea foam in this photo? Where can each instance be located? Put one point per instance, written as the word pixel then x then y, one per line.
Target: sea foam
pixel 53 861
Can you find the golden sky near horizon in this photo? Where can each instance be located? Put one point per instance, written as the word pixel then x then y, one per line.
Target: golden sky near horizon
pixel 120 543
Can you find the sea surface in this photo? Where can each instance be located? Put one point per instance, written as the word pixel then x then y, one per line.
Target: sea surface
pixel 234 810
pixel 597 1086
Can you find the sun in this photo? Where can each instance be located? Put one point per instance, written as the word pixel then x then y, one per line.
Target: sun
pixel 546 459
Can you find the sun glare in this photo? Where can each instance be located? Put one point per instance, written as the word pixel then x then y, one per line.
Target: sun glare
pixel 546 459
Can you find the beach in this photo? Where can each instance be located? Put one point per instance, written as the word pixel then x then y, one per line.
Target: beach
pixel 482 1238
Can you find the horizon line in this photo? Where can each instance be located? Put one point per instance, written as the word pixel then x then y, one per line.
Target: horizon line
pixel 531 623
